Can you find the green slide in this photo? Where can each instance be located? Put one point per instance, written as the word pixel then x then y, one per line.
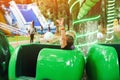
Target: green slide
pixel 56 64
pixel 4 56
pixel 35 62
pixel 23 61
pixel 117 47
pixel 102 63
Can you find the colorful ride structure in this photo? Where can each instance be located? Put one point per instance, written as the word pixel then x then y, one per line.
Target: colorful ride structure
pixel 90 12
pixel 50 62
pixel 20 16
pixel 100 60
pixel 5 53
pixel 46 62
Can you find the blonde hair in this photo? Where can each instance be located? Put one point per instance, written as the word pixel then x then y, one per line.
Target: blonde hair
pixel 71 33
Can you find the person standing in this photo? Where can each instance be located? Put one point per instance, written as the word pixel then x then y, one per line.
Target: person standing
pixel 48 36
pixel 31 32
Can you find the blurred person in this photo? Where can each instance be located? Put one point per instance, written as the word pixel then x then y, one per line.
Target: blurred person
pixel 116 25
pixel 48 36
pixel 31 32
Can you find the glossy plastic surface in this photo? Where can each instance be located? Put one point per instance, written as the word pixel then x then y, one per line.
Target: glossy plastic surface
pixel 102 63
pixel 4 56
pixel 23 60
pixel 56 64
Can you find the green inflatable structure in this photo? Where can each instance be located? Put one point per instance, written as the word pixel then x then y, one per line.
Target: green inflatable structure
pixel 56 64
pixel 22 64
pixel 117 48
pixel 87 6
pixel 4 56
pixel 35 62
pixel 102 63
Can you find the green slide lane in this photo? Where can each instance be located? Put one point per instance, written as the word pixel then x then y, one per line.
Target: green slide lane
pixel 56 64
pixel 4 56
pixel 102 63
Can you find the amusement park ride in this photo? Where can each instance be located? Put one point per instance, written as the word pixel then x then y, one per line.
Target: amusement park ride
pixel 38 61
pixel 16 15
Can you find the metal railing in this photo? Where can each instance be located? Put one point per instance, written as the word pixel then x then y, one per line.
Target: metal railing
pixel 12 29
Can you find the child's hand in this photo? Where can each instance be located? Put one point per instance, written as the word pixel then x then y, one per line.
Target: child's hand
pixel 60 22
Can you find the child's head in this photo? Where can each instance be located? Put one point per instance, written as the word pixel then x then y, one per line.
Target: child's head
pixel 68 40
pixel 70 36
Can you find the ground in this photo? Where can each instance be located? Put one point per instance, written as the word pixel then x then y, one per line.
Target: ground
pixel 38 39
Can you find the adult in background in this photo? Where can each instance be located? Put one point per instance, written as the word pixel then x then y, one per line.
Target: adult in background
pixel 31 32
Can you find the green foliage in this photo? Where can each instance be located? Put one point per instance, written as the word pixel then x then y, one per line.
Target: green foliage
pixel 55 9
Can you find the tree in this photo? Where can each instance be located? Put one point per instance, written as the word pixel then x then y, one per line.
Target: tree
pixel 55 9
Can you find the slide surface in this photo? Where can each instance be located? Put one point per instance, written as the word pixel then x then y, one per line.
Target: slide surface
pixel 102 63
pixel 56 64
pixel 4 56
